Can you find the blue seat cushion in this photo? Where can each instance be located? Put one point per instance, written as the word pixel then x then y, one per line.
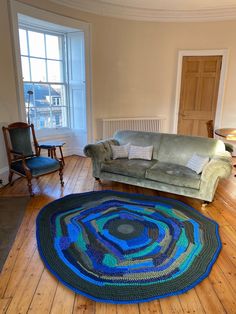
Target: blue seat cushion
pixel 37 165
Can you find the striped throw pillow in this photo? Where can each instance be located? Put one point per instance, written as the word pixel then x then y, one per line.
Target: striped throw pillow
pixel 140 152
pixel 197 163
pixel 120 151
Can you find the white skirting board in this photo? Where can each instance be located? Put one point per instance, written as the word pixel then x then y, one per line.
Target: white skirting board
pixel 4 175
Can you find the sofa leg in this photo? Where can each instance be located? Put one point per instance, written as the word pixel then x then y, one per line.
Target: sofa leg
pixel 205 204
pixel 98 180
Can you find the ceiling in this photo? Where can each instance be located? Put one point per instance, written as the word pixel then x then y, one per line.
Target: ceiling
pixel 172 5
pixel 158 10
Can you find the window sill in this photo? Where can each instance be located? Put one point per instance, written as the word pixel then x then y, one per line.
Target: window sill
pixel 73 144
pixel 53 133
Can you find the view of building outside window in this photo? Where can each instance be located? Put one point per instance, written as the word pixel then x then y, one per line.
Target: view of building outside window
pixel 44 75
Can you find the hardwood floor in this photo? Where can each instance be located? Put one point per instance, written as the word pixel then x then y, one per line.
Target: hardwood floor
pixel 27 287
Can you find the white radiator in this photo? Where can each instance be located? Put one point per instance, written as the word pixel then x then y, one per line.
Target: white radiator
pixel 110 126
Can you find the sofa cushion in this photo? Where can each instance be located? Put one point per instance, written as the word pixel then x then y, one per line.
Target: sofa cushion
pixel 139 138
pixel 197 163
pixel 173 174
pixel 140 152
pixel 120 151
pixel 180 148
pixel 132 168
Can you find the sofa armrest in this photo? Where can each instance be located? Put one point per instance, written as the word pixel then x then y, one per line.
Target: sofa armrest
pixel 99 152
pixel 225 156
pixel 217 168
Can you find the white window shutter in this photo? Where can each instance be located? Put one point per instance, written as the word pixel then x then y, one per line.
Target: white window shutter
pixel 77 80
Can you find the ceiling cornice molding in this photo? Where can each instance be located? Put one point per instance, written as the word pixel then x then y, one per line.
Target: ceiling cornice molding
pixel 141 14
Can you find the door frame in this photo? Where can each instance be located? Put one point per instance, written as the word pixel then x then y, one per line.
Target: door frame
pixel 201 53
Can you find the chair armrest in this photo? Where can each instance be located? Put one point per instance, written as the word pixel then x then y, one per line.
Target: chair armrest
pixel 99 152
pixel 21 157
pixel 37 149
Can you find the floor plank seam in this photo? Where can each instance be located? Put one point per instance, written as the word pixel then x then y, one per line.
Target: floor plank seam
pixel 34 291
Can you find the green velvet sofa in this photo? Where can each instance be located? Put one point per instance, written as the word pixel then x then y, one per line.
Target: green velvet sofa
pixel 167 170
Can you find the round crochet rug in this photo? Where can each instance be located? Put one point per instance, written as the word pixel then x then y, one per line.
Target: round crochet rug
pixel 126 248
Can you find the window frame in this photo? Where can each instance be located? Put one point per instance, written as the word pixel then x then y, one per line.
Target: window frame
pixel 63 83
pixel 27 14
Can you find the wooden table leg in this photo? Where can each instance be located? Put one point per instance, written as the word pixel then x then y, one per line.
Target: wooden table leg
pixel 62 157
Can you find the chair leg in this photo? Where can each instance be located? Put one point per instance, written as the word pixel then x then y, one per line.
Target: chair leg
pixel 98 180
pixel 10 178
pixel 62 157
pixel 30 188
pixel 54 153
pixel 29 178
pixel 61 176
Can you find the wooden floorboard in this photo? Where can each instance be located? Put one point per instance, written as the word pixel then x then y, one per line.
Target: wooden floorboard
pixel 26 286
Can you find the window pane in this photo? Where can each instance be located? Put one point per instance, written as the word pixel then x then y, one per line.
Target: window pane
pixel 28 87
pixel 38 70
pixel 42 62
pixel 25 68
pixel 43 118
pixel 36 44
pixel 29 101
pixel 59 110
pixel 59 117
pixel 42 106
pixel 31 116
pixel 55 71
pixel 40 119
pixel 57 95
pixel 53 47
pixel 41 96
pixel 23 42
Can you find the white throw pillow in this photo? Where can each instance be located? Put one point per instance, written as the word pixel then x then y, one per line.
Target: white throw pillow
pixel 197 163
pixel 140 152
pixel 120 151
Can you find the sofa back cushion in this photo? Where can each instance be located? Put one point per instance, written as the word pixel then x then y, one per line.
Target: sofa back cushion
pixel 180 148
pixel 140 138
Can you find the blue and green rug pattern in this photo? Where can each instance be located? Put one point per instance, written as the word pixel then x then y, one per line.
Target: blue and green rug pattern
pixel 126 248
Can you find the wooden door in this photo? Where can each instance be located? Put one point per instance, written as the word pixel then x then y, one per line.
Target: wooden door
pixel 199 93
